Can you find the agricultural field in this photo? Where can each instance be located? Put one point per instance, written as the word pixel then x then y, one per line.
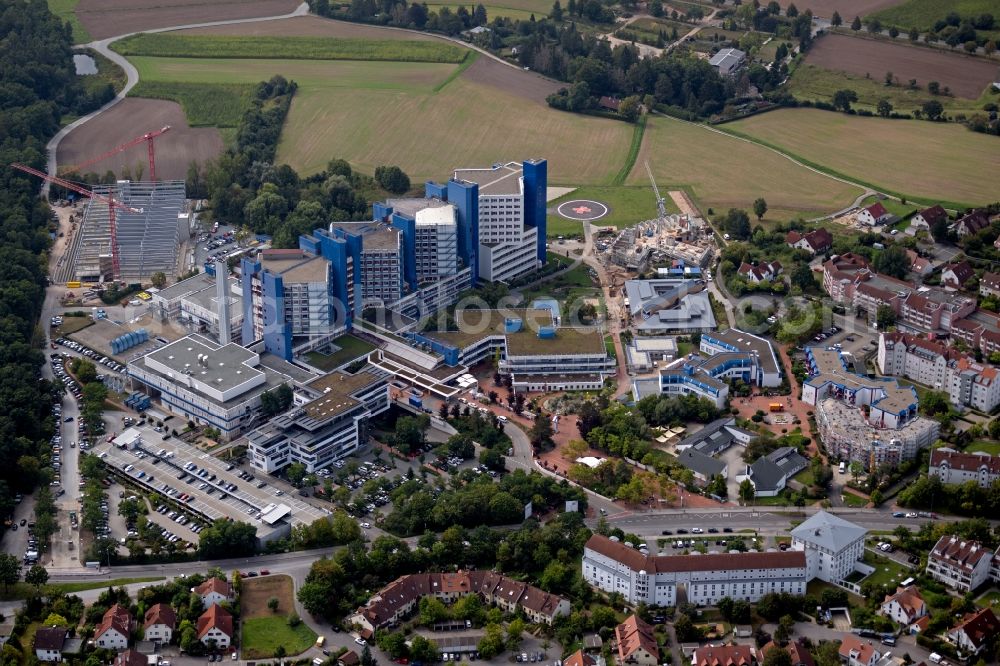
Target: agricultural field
pixel 723 172
pixel 511 10
pixel 648 29
pixel 922 160
pixel 922 14
pixel 966 76
pixel 107 18
pixel 847 8
pixel 308 26
pixel 168 45
pixel 132 117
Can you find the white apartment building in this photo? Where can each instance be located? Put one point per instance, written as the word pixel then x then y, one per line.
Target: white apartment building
pixel 613 566
pixel 932 364
pixel 832 546
pixel 955 467
pixel 961 564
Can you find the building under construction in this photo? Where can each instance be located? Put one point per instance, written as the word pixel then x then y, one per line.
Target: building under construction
pixel 147 241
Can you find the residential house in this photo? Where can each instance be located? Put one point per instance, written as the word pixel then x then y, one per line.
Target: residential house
pixel 49 643
pixel 925 219
pixel 214 591
pixel 796 650
pixel 159 623
pixel 956 275
pixel 728 61
pixel 636 643
pixel 956 467
pixel 975 631
pixel 130 658
pixel 579 658
pixel 215 627
pixel 814 242
pixel 115 629
pixel 857 651
pixel 971 223
pixel 725 655
pixel 873 215
pixel 763 272
pixel 770 474
pixel 610 103
pixel 349 658
pixel 961 564
pixel 989 284
pixel 905 606
pixel 919 266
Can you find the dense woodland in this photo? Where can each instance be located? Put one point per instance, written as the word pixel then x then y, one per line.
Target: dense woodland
pixel 38 85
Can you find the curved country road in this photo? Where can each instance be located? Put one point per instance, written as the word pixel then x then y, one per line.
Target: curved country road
pixel 102 46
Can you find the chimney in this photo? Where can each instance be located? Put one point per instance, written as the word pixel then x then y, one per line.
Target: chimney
pixel 222 294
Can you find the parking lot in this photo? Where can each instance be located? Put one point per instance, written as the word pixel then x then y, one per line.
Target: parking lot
pixel 206 485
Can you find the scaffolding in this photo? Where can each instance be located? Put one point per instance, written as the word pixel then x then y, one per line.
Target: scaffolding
pixel 147 241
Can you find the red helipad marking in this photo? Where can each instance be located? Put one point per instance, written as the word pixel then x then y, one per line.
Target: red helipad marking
pixel 580 210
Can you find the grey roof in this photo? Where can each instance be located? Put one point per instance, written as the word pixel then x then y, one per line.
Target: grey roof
pixel 645 387
pixel 702 464
pixel 671 303
pixel 501 179
pixel 728 56
pixel 714 438
pixel 765 475
pixel 747 342
pixel 829 531
pixel 411 205
pixel 789 460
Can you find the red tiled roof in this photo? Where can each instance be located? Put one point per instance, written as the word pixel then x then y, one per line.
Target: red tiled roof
pixel 117 617
pixel 798 652
pixel 160 614
pixel 979 627
pixel 633 635
pixel 214 585
pixel 724 655
pixel 934 214
pixel 958 552
pixel 635 560
pixel 862 648
pixel 215 617
pixel 579 658
pixel 877 210
pixel 908 598
pixel 130 658
pixel 965 462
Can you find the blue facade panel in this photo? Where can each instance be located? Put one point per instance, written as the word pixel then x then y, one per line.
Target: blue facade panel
pixel 408 231
pixel 277 332
pixel 381 211
pixel 465 197
pixel 535 188
pixel 436 190
pixel 248 268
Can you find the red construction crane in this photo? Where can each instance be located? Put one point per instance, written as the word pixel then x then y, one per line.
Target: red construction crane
pixel 111 203
pixel 147 137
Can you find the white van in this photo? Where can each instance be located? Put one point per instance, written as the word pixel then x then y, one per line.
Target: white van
pixel 843 467
pixel 934 658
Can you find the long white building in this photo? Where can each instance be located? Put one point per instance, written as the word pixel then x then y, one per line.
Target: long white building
pixel 955 467
pixel 613 566
pixel 832 546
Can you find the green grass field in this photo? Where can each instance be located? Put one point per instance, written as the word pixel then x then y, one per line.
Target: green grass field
pixel 170 45
pixel 263 635
pixel 983 446
pixel 722 172
pixel 809 82
pixel 897 208
pixel 629 204
pixel 204 104
pixel 922 14
pixel 66 11
pixel 922 160
pixel 24 590
pixel 888 571
pixel 508 10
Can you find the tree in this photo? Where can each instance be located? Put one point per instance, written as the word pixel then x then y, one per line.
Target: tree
pixel 777 656
pixel 737 224
pixel 540 434
pixel 913 35
pixel 885 317
pixel 492 642
pixel 884 108
pixel 932 109
pixel 280 652
pixel 159 279
pixel 857 469
pixel 836 21
pixel 842 99
pixel 856 24
pixel 759 207
pixel 37 575
pixel 893 31
pixel 792 10
pixel 515 629
pixel 272 603
pixel 557 12
pixel 276 401
pixel 893 261
pixel 656 8
pixel 10 570
pixel 55 620
pixel 392 179
pixel 296 472
pixel 747 491
pixel 630 108
pixel 225 538
pixel 934 88
pixel 802 277
pixel 408 435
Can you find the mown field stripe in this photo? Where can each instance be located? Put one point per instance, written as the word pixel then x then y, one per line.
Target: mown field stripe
pixel 167 45
pixel 953 205
pixel 633 152
pixel 469 59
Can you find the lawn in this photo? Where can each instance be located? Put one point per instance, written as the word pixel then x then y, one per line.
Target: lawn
pixel 204 104
pixel 628 205
pixel 556 225
pixel 264 630
pixel 814 83
pixel 989 598
pixel 170 45
pixel 350 349
pixel 895 207
pixel 66 11
pixel 71 325
pixel 887 572
pixel 922 14
pixel 992 448
pixel 498 11
pixel 24 590
pixel 723 172
pixel 850 499
pixel 919 159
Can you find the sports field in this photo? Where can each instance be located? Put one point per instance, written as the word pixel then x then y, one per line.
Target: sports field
pixel 723 172
pixel 931 161
pixel 922 14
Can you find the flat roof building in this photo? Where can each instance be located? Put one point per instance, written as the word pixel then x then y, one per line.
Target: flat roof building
pixel 669 305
